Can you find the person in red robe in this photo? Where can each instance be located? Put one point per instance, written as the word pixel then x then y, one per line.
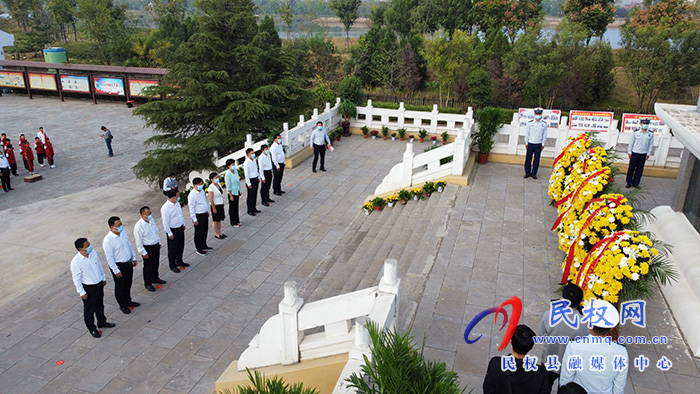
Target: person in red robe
pixel 49 152
pixel 27 155
pixel 40 153
pixel 10 154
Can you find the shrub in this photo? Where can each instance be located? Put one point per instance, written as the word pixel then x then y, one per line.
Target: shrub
pixel 445 136
pixel 402 132
pixel 350 88
pixel 275 385
pixel 429 187
pixel 385 131
pixel 422 133
pixel 404 195
pixel 365 130
pixel 379 202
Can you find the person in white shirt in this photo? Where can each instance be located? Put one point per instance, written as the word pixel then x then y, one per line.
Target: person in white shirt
pixel 535 139
pixel 121 260
pixel 216 202
pixel 318 144
pixel 148 245
pixel 595 362
pixel 42 136
pixel 250 169
pixel 174 226
pixel 89 280
pixel 278 161
pixel 265 165
pixel 5 173
pixel 169 183
pixel 197 201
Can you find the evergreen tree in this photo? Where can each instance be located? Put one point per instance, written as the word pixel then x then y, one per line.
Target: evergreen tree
pixel 229 79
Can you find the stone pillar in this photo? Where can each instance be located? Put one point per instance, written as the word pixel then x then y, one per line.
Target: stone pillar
pixel 407 170
pixel 685 171
pixel 459 157
pixel 289 308
pixel 248 141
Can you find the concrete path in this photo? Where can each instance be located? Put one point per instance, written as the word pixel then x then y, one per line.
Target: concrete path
pixel 459 252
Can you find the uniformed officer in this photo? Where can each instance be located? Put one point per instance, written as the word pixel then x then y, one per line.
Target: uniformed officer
pixel 639 150
pixel 535 137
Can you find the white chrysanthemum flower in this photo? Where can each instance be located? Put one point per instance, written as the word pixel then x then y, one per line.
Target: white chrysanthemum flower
pixel 623 262
pixel 635 276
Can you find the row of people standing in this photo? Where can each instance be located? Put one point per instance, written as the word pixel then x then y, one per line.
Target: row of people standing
pixel 8 161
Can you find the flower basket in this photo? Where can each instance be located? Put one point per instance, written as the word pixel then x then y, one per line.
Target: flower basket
pixel 368 207
pixel 374 134
pixel 385 132
pixel 422 134
pixel 365 131
pixel 378 203
pixel 391 204
pixel 391 200
pixel 417 193
pixel 404 195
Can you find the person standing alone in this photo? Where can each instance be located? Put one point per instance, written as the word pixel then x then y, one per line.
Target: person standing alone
pixel 250 169
pixel 233 190
pixel 319 143
pixel 107 135
pixel 265 165
pixel 639 149
pixel 174 226
pixel 535 138
pixel 89 280
pixel 122 260
pixel 197 202
pixel 148 245
pixel 278 161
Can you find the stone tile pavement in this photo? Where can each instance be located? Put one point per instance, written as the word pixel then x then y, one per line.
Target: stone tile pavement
pixel 494 243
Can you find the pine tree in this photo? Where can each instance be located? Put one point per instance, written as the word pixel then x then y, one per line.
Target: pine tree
pixel 229 79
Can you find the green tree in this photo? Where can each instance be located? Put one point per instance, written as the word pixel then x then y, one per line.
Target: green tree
pixel 510 15
pixel 20 11
pixel 104 23
pixel 479 83
pixel 64 13
pixel 285 12
pixel 595 15
pixel 346 10
pixel 229 79
pixel 350 89
pixel 174 23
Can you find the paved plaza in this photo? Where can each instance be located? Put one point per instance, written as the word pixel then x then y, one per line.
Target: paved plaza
pixel 460 251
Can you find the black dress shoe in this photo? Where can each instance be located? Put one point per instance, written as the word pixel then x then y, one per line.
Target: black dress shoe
pixel 251 213
pixel 282 191
pixel 150 288
pixel 125 310
pixel 266 204
pixel 270 200
pixel 257 211
pixel 161 281
pixel 534 177
pixel 207 248
pixel 277 194
pixel 106 325
pixel 133 303
pixel 313 170
pixel 95 334
pixel 628 186
pixel 526 176
pixel 175 270
pixel 183 264
pixel 323 169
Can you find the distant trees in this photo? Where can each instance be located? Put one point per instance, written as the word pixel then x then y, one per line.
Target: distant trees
pixel 594 15
pixel 346 11
pixel 104 23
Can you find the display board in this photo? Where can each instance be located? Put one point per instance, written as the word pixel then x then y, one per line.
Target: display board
pixel 551 116
pixel 42 81
pixel 111 86
pixel 136 87
pixel 589 120
pixel 630 122
pixel 75 83
pixel 11 79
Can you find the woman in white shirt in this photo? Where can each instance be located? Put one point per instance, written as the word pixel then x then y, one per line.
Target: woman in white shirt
pixel 216 201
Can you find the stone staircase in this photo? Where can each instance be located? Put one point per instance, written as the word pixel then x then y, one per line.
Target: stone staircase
pixel 411 234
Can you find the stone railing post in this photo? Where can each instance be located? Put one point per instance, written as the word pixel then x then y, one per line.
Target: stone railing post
pixel 362 340
pixel 514 135
pixel 390 284
pixel 402 115
pixel 289 308
pixel 285 138
pixel 248 141
pixel 369 117
pixel 434 119
pixel 304 131
pixel 459 153
pixel 407 168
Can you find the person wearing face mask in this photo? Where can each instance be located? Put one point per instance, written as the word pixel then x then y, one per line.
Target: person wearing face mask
pixel 278 160
pixel 216 202
pixel 174 226
pixel 535 138
pixel 252 175
pixel 199 212
pixel 89 280
pixel 639 149
pixel 121 260
pixel 265 165
pixel 233 191
pixel 169 183
pixel 148 245
pixel 319 143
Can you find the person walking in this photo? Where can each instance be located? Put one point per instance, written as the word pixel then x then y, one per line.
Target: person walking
pixel 265 165
pixel 169 183
pixel 639 149
pixel 10 154
pixel 107 135
pixel 148 245
pixel 216 202
pixel 5 174
pixel 233 191
pixel 319 143
pixel 121 260
pixel 89 280
pixel 49 153
pixel 174 226
pixel 535 138
pixel 278 161
pixel 27 155
pixel 252 179
pixel 197 202
pixel 39 148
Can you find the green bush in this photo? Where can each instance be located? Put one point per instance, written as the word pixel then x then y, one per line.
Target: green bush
pixel 276 385
pixel 350 88
pixel 490 119
pixel 423 108
pixel 397 367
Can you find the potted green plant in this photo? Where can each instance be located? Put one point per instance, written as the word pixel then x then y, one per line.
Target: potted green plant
pixel 402 133
pixel 331 136
pixel 348 110
pixel 365 131
pixel 417 193
pixel 422 133
pixel 489 120
pixel 428 188
pixel 385 132
pixel 378 203
pixel 404 196
pixel 339 133
pixel 440 186
pixel 391 200
pixel 445 137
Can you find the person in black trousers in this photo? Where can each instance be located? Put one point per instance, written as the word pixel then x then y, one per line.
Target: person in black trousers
pixel 148 245
pixel 278 162
pixel 89 280
pixel 252 179
pixel 265 168
pixel 319 142
pixel 174 226
pixel 121 258
pixel 233 190
pixel 197 202
pixel 5 173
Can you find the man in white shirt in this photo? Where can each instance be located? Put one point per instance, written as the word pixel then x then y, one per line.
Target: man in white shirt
pixel 535 139
pixel 250 169
pixel 169 183
pixel 148 245
pixel 197 201
pixel 121 260
pixel 595 362
pixel 265 165
pixel 319 143
pixel 5 173
pixel 89 280
pixel 278 161
pixel 174 226
pixel 42 136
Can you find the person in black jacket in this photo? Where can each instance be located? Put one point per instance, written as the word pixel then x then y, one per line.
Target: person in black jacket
pixel 517 372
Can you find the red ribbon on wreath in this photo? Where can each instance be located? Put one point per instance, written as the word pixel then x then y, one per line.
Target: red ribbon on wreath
pixel 582 276
pixel 591 152
pixel 574 194
pixel 566 148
